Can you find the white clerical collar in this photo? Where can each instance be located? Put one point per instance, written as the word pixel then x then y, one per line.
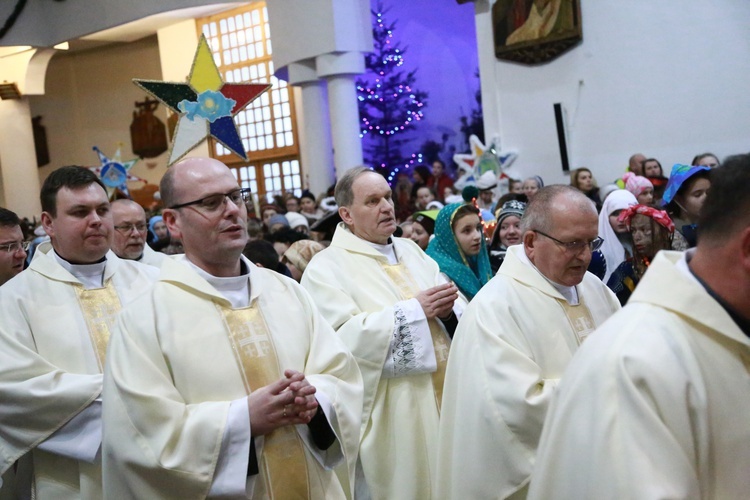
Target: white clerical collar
pixel 682 265
pixel 236 289
pixel 569 292
pixel 90 275
pixel 387 250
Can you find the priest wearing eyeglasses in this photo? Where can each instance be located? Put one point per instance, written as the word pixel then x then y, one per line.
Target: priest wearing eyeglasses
pixel 129 238
pixel 513 344
pixel 224 380
pixel 12 247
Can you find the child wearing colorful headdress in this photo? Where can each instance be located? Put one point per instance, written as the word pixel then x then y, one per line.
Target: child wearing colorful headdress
pixel 651 231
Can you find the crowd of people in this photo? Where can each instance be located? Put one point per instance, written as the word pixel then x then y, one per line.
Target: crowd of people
pixel 551 341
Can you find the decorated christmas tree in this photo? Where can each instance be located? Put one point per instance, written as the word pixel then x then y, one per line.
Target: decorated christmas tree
pixel 389 105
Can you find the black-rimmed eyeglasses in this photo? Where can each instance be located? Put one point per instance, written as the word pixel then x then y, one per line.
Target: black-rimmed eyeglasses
pixel 575 246
pixel 15 246
pixel 213 202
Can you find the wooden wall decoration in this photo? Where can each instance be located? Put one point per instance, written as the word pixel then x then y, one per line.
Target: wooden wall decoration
pixel 535 31
pixel 147 132
pixel 145 196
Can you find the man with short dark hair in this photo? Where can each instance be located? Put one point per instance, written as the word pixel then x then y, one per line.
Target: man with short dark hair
pixel 55 319
pixel 223 381
pixel 129 238
pixel 512 345
pixel 12 257
pixel 12 246
pixel 655 405
pixel 389 303
pixel 263 254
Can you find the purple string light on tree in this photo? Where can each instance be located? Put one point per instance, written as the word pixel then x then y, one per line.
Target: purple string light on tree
pixel 388 102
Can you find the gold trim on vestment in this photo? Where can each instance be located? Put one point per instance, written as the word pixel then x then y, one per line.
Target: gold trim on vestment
pixel 283 463
pixel 400 275
pixel 100 307
pixel 579 317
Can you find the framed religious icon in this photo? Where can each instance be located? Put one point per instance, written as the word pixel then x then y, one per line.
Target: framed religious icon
pixel 535 31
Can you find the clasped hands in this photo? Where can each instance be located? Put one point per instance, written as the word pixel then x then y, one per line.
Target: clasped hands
pixel 437 302
pixel 288 401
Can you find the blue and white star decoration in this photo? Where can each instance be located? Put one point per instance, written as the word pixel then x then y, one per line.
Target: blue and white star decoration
pixel 483 159
pixel 206 105
pixel 115 173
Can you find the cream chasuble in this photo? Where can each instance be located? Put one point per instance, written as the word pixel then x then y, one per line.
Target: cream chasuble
pixel 53 337
pixel 283 460
pixel 655 404
pixel 510 349
pixel 151 257
pixel 173 369
pixel 356 294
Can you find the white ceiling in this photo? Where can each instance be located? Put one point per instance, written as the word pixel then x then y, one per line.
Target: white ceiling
pixel 147 26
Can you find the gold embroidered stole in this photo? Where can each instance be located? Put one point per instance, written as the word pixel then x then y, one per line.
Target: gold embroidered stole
pixel 283 462
pixel 100 307
pixel 579 317
pixel 400 275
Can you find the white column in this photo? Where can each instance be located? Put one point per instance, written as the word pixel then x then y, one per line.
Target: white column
pixel 487 68
pixel 342 102
pixel 18 159
pixel 316 147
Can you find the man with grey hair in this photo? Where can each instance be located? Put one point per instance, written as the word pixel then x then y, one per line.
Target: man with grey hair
pixel 129 238
pixel 513 344
pixel 388 302
pixel 655 405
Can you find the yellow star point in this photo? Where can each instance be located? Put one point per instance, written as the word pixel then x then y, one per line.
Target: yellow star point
pixel 205 75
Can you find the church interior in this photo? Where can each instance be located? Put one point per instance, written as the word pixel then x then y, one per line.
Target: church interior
pixel 644 77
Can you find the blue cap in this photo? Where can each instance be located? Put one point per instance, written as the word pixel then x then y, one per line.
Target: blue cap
pixel 680 174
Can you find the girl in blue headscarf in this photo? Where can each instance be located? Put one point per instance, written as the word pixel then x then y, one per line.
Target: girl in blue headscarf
pixel 157 229
pixel 460 249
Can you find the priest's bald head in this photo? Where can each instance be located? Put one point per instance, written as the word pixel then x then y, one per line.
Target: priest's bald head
pixel 206 211
pixel 560 230
pixel 635 163
pixel 366 205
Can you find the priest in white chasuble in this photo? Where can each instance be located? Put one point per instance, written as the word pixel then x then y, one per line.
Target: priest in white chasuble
pixel 55 322
pixel 655 405
pixel 224 381
pixel 389 304
pixel 513 344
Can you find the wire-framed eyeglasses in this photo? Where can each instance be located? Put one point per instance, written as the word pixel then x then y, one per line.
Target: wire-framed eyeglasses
pixel 575 246
pixel 216 201
pixel 126 228
pixel 15 246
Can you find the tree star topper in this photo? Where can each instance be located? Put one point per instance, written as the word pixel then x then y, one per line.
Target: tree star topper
pixel 205 104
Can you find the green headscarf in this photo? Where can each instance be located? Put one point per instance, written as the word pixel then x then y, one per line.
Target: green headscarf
pixel 468 273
